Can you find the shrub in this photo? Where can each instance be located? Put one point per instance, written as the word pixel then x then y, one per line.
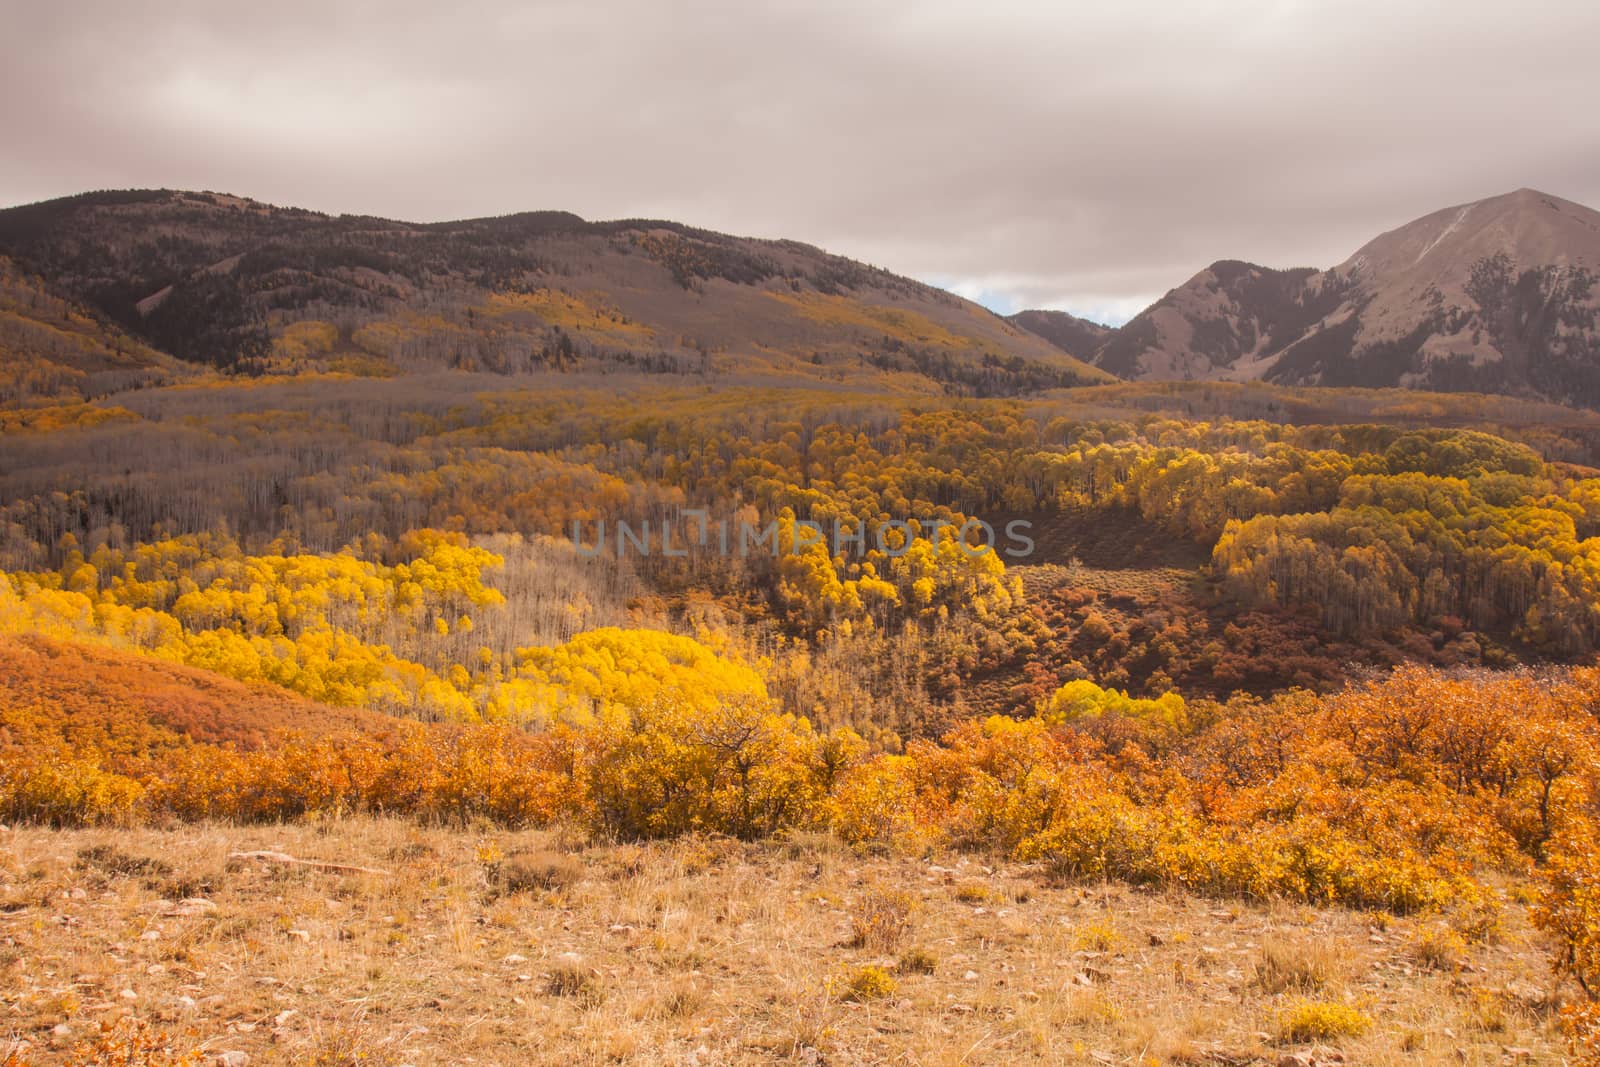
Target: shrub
pixel 881 920
pixel 1316 1020
pixel 570 978
pixel 1281 967
pixel 870 982
pixel 535 871
pixel 132 1042
pixel 1438 949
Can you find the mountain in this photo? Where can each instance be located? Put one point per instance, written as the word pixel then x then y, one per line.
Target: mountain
pixel 1493 296
pixel 1079 337
pixel 225 281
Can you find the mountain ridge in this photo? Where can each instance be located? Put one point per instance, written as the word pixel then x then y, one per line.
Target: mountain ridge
pixel 216 279
pixel 1495 295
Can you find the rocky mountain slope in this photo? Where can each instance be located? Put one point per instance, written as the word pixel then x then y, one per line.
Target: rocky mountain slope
pixel 220 280
pixel 1494 296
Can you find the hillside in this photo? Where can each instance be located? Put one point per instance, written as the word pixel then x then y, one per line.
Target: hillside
pixel 1493 296
pixel 1067 332
pixel 517 948
pixel 54 347
pixel 93 698
pixel 225 281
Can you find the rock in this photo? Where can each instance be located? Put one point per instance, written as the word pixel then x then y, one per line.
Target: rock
pixel 229 1059
pixel 971 976
pixel 1314 1058
pixel 515 957
pixel 189 906
pixel 128 994
pixel 61 1030
pixel 301 935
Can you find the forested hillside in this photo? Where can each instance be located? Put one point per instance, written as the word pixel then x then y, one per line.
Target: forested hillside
pixel 227 282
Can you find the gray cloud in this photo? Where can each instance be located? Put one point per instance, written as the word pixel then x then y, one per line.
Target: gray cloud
pixel 1031 154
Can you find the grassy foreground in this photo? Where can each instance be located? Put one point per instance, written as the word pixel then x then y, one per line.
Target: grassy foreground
pixel 501 947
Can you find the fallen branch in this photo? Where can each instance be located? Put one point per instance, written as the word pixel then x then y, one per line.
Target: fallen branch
pixel 295 861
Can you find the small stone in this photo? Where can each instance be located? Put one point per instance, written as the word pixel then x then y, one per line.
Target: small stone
pixel 128 994
pixel 971 976
pixel 301 935
pixel 230 1059
pixel 515 957
pixel 190 906
pixel 61 1030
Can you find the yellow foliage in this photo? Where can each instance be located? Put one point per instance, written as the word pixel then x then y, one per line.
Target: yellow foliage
pixel 1312 1020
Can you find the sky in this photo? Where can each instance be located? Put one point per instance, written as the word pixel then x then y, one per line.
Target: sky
pixel 1086 157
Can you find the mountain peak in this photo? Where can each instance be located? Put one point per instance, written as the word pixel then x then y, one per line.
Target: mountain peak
pixel 1528 226
pixel 1495 295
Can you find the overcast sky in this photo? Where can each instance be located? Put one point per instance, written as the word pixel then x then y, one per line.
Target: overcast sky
pixel 1081 156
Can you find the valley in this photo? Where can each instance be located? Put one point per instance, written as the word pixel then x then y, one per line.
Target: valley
pixel 1278 747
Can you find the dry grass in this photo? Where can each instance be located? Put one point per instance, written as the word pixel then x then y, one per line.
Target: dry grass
pixel 707 952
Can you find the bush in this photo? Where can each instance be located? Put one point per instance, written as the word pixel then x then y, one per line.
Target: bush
pixel 881 920
pixel 1282 967
pixel 865 983
pixel 534 871
pixel 1314 1020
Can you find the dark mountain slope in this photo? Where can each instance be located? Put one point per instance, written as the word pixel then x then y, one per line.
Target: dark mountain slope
pixel 235 283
